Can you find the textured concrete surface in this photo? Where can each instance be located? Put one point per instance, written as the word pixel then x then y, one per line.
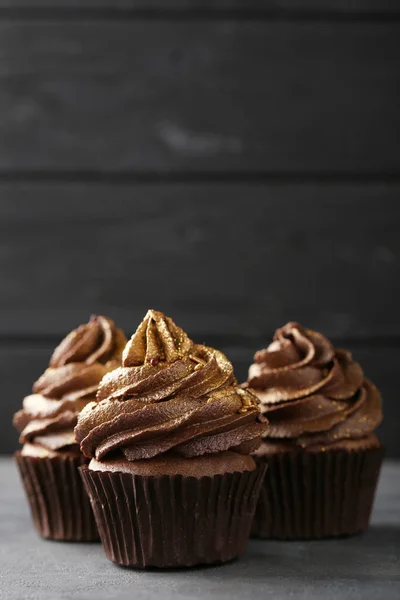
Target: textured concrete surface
pixel 366 567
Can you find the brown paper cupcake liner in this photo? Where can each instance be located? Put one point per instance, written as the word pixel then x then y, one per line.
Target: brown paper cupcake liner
pixel 173 521
pixel 309 495
pixel 58 501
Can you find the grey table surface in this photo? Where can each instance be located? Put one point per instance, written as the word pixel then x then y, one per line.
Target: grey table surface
pixel 363 567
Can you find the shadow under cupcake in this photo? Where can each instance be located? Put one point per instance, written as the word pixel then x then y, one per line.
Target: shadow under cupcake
pixel 171 479
pixel 322 454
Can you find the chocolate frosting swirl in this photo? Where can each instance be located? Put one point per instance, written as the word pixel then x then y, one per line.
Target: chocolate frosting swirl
pixel 312 394
pixel 78 364
pixel 169 395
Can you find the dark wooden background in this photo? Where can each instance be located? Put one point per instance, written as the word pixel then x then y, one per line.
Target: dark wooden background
pixel 235 164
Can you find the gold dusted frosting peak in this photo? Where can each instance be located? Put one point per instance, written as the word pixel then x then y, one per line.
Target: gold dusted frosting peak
pixel 169 395
pixel 156 339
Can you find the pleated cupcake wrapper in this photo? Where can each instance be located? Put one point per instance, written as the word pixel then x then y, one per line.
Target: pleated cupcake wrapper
pixel 173 521
pixel 309 495
pixel 58 501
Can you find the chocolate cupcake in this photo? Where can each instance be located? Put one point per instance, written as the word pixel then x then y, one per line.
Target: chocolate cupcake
pixel 323 456
pixel 50 457
pixel 171 479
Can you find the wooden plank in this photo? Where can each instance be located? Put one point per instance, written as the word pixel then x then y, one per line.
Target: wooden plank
pixel 200 96
pixel 223 259
pixel 266 6
pixel 21 364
